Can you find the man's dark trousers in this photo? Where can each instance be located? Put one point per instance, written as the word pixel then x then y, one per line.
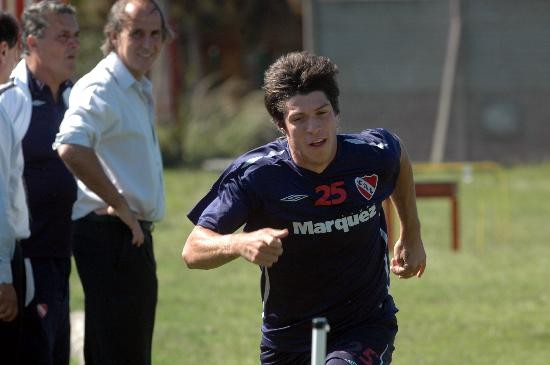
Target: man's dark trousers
pixel 11 332
pixel 120 289
pixel 47 315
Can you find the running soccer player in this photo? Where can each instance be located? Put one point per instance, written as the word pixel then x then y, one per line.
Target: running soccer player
pixel 311 206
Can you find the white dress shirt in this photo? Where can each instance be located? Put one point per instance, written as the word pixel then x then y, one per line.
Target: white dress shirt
pixel 113 113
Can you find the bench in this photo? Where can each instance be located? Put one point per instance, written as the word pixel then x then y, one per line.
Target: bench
pixel 431 190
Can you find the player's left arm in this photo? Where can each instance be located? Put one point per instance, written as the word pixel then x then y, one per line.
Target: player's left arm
pixel 409 257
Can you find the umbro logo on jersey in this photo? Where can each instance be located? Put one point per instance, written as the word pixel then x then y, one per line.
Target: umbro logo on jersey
pixel 38 103
pixel 294 198
pixel 367 185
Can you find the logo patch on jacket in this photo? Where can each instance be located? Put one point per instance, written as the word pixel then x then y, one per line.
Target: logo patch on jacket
pixel 42 310
pixel 367 185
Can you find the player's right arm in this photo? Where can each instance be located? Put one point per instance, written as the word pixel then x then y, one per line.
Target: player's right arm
pixel 207 249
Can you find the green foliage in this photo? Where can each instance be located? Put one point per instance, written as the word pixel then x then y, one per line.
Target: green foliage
pixel 170 140
pixel 225 121
pixel 91 17
pixel 219 119
pixel 487 304
pixel 90 54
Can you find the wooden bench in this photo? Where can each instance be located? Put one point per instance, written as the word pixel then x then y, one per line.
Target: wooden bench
pixel 431 190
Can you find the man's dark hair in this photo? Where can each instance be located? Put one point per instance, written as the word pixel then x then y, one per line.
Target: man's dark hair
pixel 118 17
pixel 34 18
pixel 298 73
pixel 9 29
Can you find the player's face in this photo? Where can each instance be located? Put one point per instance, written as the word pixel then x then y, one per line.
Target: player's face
pixel 310 127
pixel 57 49
pixel 140 41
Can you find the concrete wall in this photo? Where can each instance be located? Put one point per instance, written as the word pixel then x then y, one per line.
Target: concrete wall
pixel 391 55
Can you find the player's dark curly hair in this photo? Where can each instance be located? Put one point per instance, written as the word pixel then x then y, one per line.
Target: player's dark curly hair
pixel 298 73
pixel 9 29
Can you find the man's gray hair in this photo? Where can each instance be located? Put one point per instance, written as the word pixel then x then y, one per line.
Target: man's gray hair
pixel 118 17
pixel 34 18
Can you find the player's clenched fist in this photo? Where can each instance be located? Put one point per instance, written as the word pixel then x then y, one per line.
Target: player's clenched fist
pixel 262 247
pixel 207 249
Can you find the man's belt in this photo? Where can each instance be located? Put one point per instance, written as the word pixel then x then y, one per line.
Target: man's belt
pixel 107 218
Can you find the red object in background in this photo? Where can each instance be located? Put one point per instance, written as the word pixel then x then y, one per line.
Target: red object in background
pixel 431 190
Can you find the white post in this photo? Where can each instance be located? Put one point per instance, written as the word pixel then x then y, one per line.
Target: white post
pixel 319 340
pixel 307 27
pixel 447 83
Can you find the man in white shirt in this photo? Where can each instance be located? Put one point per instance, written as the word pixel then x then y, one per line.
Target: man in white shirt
pixel 14 221
pixel 108 140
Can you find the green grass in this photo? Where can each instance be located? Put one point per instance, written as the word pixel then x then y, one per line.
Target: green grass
pixel 487 304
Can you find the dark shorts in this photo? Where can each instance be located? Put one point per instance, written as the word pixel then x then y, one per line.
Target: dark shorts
pixel 367 351
pixel 371 343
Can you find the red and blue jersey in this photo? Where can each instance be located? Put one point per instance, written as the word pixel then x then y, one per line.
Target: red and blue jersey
pixel 335 258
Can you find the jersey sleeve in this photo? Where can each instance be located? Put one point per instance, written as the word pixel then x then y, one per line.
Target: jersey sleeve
pixel 386 138
pixel 226 206
pixel 390 157
pixel 236 197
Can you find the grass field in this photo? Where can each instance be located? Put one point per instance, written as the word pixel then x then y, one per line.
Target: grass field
pixel 487 304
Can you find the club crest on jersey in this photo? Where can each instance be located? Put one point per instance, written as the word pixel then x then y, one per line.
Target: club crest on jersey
pixel 367 185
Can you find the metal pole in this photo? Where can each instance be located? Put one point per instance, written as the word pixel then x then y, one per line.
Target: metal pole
pixel 319 340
